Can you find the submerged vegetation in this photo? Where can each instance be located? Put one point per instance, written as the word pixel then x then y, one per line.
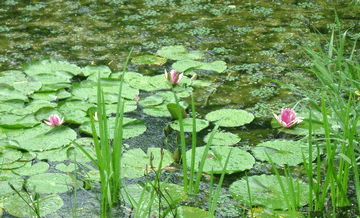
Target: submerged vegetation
pixel 93 129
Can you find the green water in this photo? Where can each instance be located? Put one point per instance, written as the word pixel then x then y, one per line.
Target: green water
pixel 257 39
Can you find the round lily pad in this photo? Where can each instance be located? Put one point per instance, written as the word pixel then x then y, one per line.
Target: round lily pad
pixel 9 155
pixel 28 169
pixel 135 161
pixel 265 190
pixel 178 52
pixel 188 125
pixel 149 59
pixel 131 127
pixel 172 192
pixel 215 160
pixel 283 152
pixel 46 138
pixel 65 168
pixel 47 205
pixel 7 176
pixel 49 183
pixel 230 117
pixel 151 100
pixel 223 138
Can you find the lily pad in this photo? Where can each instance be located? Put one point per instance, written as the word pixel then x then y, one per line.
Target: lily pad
pixel 184 65
pixel 47 205
pixel 28 169
pixel 192 212
pixel 135 161
pixel 157 111
pixel 265 190
pixel 8 92
pixel 188 125
pixel 172 192
pixel 19 81
pixel 93 72
pixel 151 100
pixel 283 152
pixel 131 127
pixel 48 65
pixel 230 117
pixel 223 138
pixel 87 90
pixel 178 52
pixel 149 59
pixel 65 168
pixel 44 137
pixel 7 176
pixel 9 155
pixel 138 81
pixel 48 183
pixel 18 121
pixel 215 160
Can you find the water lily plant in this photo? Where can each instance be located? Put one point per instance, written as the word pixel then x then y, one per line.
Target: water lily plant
pixel 54 120
pixel 288 118
pixel 173 77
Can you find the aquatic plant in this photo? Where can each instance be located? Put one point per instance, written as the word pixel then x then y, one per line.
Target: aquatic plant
pixel 173 77
pixel 288 118
pixel 54 120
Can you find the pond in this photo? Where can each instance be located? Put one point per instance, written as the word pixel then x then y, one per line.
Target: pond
pixel 247 59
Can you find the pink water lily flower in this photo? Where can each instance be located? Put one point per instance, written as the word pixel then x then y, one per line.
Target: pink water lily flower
pixel 173 77
pixel 54 120
pixel 288 118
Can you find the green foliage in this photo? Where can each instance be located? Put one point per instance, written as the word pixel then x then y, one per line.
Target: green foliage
pixel 283 152
pixel 216 158
pixel 265 190
pixel 230 117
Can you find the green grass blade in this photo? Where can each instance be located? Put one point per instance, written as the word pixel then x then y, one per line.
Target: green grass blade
pixel 203 158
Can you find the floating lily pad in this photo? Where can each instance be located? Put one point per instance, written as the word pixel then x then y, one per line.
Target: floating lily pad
pixel 65 168
pixel 17 121
pixel 178 52
pixel 135 161
pixel 184 65
pixel 8 92
pixel 129 105
pixel 188 125
pixel 44 137
pixel 265 190
pixel 48 183
pixel 131 127
pixel 223 138
pixel 149 59
pixel 47 205
pixel 230 117
pixel 283 152
pixel 28 169
pixel 74 111
pixel 7 176
pixel 87 90
pixel 172 192
pixel 191 212
pixel 215 160
pixel 93 72
pixel 151 100
pixel 19 81
pixel 9 155
pixel 157 111
pixel 32 107
pixel 48 65
pixel 138 81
